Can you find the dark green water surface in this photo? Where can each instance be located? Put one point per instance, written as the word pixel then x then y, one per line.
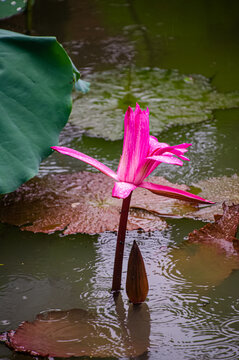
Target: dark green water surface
pixel 179 58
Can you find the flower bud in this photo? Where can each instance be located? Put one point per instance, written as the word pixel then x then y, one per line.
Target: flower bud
pixel 137 286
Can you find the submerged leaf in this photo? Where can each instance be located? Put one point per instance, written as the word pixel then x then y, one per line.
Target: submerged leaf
pixel 137 286
pixel 222 232
pixel 202 265
pixel 211 253
pixel 70 333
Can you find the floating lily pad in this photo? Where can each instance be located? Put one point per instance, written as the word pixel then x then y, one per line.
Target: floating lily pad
pixel 76 203
pixel 222 189
pixel 219 190
pixel 70 333
pixel 172 98
pixel 82 203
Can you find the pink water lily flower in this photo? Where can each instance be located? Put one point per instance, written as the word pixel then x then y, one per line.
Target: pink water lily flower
pixel 142 153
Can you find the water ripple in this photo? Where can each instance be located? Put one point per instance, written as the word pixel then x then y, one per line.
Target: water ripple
pixel 230 328
pixel 183 318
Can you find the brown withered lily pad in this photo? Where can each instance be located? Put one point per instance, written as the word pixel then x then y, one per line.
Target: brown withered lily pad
pixel 220 190
pixel 161 205
pixel 70 333
pixel 82 203
pixel 221 232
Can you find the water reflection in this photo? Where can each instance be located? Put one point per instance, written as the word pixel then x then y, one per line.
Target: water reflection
pixel 136 327
pixel 138 322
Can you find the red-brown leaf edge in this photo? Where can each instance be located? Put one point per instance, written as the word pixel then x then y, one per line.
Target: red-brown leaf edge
pixel 221 232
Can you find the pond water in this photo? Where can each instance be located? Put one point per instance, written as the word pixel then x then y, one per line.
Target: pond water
pixel 180 59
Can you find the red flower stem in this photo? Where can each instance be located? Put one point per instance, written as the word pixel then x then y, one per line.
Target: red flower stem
pixel 119 252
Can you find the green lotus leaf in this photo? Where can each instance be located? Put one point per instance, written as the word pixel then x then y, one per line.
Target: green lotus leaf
pixel 36 79
pixel 9 8
pixel 80 85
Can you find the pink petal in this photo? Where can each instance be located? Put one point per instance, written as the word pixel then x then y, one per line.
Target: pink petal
pixel 152 161
pixel 122 190
pixel 87 159
pixel 148 166
pixel 136 143
pixel 175 149
pixel 173 193
pixel 180 156
pixel 166 159
pixel 154 145
pixel 172 150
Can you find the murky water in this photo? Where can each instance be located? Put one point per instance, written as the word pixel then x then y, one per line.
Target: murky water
pixel 193 313
pixel 192 310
